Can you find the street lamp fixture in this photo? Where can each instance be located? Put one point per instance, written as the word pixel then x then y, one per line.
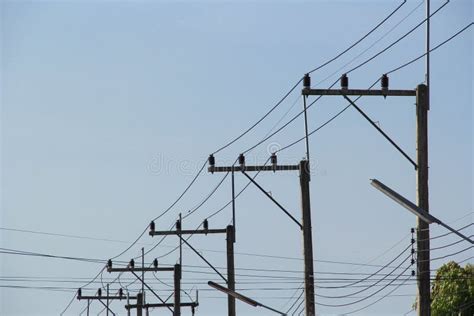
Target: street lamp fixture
pixel 412 207
pixel 241 297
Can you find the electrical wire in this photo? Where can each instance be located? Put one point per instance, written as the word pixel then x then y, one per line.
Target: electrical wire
pixel 237 195
pixel 372 45
pixel 445 246
pixel 50 256
pixel 299 288
pixel 260 120
pixel 86 284
pixel 286 124
pixel 389 72
pixel 326 122
pixel 398 40
pixel 207 198
pixel 431 50
pixel 324 64
pixel 448 233
pixel 449 255
pixel 359 40
pixel 171 286
pixel 366 297
pixel 378 300
pixel 234 140
pixel 370 276
pixel 301 302
pixel 311 71
pixel 164 212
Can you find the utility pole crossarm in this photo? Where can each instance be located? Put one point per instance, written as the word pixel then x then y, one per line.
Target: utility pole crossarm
pixel 254 168
pixel 158 305
pixel 127 269
pixel 188 232
pixel 92 297
pixel 359 92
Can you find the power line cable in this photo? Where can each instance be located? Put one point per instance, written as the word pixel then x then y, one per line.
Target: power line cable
pixel 445 246
pixel 226 147
pixel 372 45
pixel 299 81
pixel 448 233
pixel 359 40
pixel 389 72
pixel 450 255
pixel 351 70
pixel 378 300
pixel 398 40
pixel 207 198
pixel 245 132
pixel 299 305
pixel 259 120
pixel 366 297
pixel 431 50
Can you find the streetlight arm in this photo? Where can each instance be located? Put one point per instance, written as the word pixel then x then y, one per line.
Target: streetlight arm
pixel 421 213
pixel 241 297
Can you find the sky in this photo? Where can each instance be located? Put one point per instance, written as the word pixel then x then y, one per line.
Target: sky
pixel 110 108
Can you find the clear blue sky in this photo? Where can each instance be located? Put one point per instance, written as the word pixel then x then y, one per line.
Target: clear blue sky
pixel 108 109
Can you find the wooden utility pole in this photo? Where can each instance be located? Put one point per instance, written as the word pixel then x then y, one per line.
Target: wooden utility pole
pixel 421 165
pixel 303 167
pixel 230 233
pixel 423 233
pixel 307 238
pixel 107 309
pixel 230 239
pixel 177 290
pixel 139 304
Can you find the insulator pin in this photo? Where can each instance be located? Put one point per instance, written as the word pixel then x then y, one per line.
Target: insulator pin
pixel 307 81
pixel 178 225
pixel 384 84
pixel 344 82
pixel 242 160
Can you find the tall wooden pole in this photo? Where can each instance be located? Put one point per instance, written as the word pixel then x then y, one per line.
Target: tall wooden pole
pixel 423 233
pixel 177 290
pixel 107 312
pixel 230 268
pixel 140 304
pixel 427 64
pixel 307 239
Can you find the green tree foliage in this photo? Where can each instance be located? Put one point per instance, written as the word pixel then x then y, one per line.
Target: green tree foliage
pixel 453 290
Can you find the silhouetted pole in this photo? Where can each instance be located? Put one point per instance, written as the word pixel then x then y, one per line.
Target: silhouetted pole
pixel 423 233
